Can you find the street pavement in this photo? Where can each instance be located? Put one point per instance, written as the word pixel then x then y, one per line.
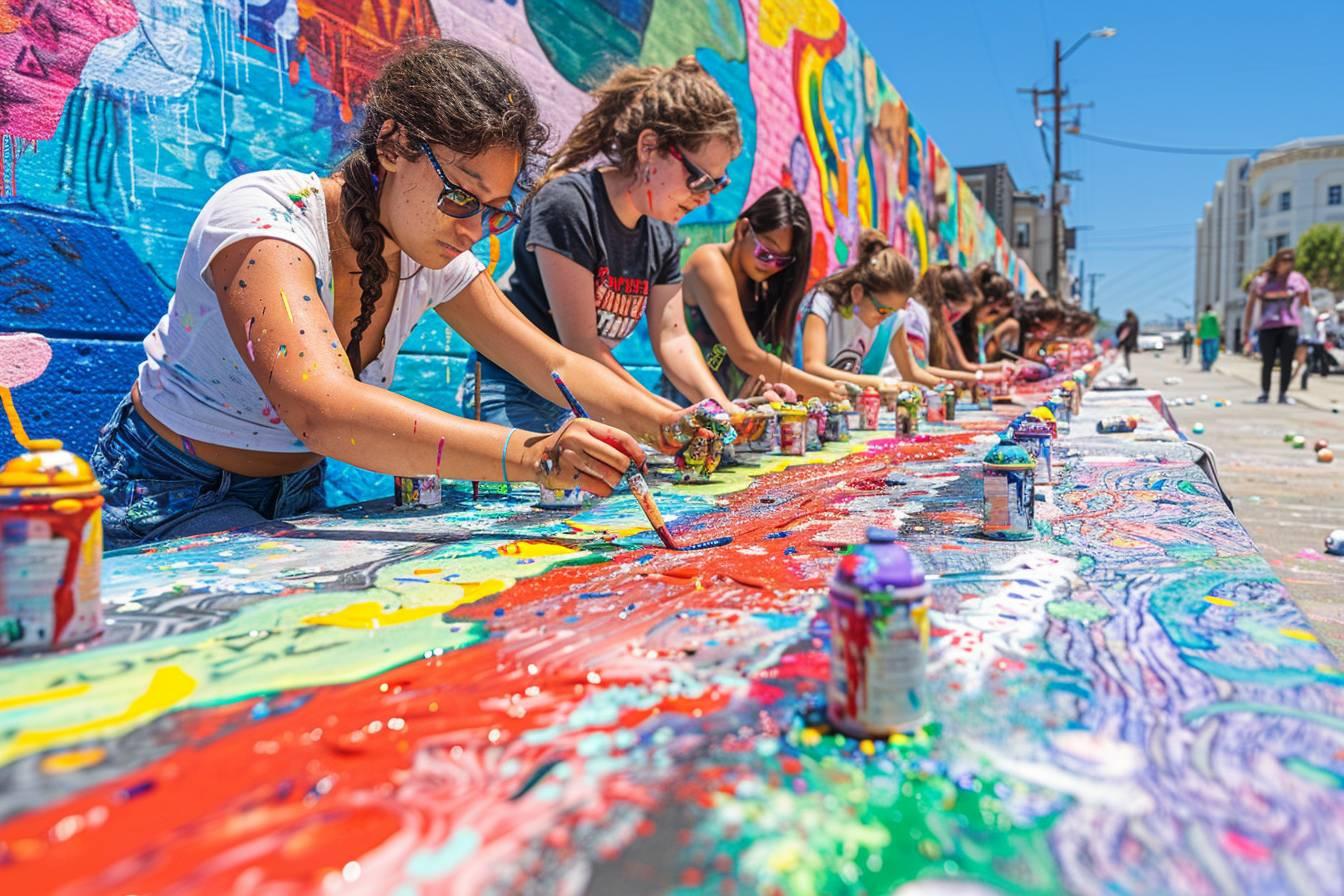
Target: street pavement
pixel 1285 498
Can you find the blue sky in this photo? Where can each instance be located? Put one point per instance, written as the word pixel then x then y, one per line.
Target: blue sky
pixel 1181 72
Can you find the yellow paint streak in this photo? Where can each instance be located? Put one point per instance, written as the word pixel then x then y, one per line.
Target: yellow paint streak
pixel 169 686
pixel 1298 634
pixel 73 690
pixel 370 614
pixel 530 549
pixel 431 571
pixel 1220 601
pixel 72 760
pixel 615 531
pixel 285 299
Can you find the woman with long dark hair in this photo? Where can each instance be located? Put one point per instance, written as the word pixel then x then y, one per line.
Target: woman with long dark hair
pixel 742 299
pixel 295 294
pixel 1278 291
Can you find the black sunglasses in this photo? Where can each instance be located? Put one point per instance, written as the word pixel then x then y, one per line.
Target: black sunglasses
pixel 697 179
pixel 458 202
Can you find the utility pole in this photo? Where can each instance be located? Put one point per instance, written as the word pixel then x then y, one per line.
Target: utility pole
pixel 1092 288
pixel 1058 94
pixel 1057 174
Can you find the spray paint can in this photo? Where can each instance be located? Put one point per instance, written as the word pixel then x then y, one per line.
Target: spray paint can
pixel 760 437
pixel 1034 433
pixel 1010 492
pixel 950 405
pixel 878 611
pixel 816 424
pixel 837 421
pixel 934 409
pixel 51 551
pixel 417 491
pixel 1059 406
pixel 793 430
pixel 1117 424
pixel 870 407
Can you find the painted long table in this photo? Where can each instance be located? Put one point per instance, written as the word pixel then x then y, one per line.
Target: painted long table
pixel 494 699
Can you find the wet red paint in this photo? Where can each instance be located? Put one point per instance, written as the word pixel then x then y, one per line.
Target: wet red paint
pixel 288 798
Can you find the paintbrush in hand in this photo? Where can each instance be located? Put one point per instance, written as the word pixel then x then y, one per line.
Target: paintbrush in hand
pixel 633 478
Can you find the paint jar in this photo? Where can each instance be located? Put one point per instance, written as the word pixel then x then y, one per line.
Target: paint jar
pixel 764 436
pixel 934 410
pixel 1010 492
pixel 1034 433
pixel 984 396
pixel 560 498
pixel 1059 406
pixel 837 422
pixel 51 552
pixel 870 407
pixel 417 491
pixel 878 610
pixel 1117 424
pixel 907 413
pixel 816 424
pixel 793 430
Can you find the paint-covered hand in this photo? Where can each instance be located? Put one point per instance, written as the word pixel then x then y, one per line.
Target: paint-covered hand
pixel 680 428
pixel 582 454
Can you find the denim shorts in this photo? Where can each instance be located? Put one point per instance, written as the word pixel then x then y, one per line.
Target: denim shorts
pixel 506 401
pixel 155 491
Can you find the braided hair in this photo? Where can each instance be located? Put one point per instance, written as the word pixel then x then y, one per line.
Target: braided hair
pixel 438 91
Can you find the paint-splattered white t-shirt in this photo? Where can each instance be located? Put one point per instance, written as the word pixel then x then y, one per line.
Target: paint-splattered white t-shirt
pixel 194 380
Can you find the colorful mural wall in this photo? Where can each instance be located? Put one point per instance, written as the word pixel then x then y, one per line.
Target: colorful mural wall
pixel 118 118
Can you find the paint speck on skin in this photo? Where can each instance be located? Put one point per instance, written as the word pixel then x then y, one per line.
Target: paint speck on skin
pixel 285 299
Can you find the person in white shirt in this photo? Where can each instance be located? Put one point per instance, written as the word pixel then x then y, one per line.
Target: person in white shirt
pixel 295 294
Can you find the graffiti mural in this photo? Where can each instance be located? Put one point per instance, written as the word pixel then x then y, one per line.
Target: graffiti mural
pixel 118 118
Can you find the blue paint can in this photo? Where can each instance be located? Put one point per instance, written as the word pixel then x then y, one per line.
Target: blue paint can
pixel 1009 491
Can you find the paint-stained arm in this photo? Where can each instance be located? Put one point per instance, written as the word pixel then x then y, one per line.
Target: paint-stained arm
pixel 482 315
pixel 298 360
pixel 708 284
pixel 677 350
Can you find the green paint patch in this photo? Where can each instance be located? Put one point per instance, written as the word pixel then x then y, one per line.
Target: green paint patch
pixel 1076 611
pixel 820 816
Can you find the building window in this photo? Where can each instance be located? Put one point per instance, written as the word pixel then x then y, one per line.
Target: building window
pixel 1285 201
pixel 1022 235
pixel 1276 243
pixel 1334 194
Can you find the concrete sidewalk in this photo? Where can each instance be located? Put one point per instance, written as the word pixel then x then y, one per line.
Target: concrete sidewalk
pixel 1322 393
pixel 1287 501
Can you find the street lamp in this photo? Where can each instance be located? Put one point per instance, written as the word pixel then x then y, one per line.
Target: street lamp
pixel 1058 94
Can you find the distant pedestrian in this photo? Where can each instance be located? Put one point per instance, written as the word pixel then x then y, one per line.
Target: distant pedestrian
pixel 1127 336
pixel 1187 343
pixel 1210 332
pixel 1306 337
pixel 1277 292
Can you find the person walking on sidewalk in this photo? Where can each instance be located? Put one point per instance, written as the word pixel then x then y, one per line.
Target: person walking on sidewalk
pixel 1127 336
pixel 1187 341
pixel 1210 332
pixel 1277 292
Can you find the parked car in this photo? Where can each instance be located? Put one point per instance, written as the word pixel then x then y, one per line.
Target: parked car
pixel 1151 342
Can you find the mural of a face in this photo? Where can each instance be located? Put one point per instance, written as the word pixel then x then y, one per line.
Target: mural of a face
pixel 44 45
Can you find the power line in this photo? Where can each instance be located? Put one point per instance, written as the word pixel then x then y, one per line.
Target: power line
pixel 1158 147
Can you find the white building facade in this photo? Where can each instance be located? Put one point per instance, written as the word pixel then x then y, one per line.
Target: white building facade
pixel 1259 207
